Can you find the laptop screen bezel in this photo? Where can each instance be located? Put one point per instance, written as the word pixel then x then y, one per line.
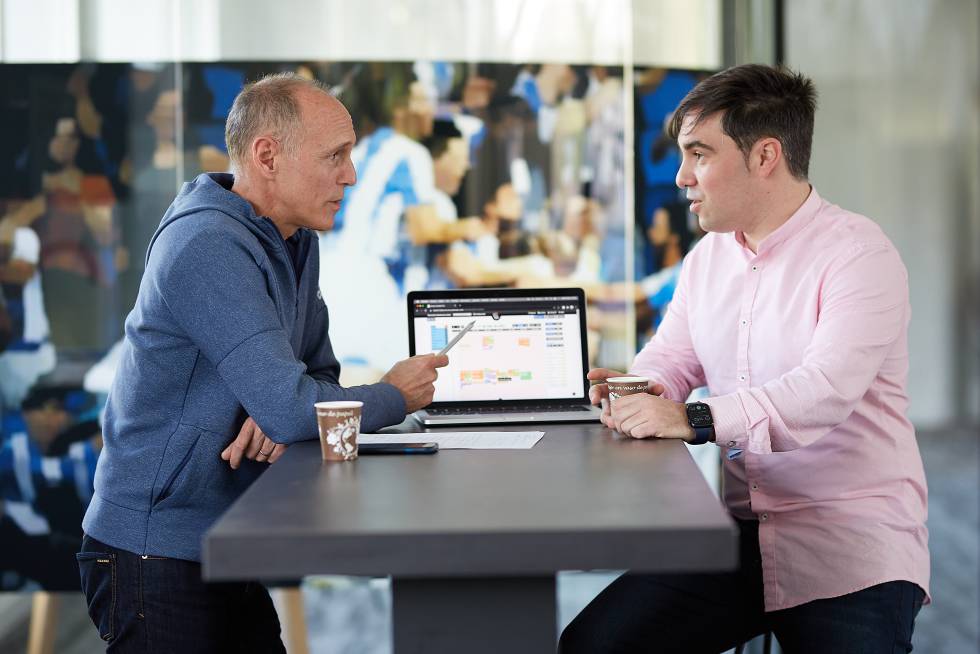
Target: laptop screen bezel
pixel 579 296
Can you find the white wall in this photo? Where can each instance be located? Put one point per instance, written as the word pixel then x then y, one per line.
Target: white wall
pixel 897 140
pixel 678 33
pixel 39 31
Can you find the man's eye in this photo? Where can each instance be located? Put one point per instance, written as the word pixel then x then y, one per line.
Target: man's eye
pixel 698 155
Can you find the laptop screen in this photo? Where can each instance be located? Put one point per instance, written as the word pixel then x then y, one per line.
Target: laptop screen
pixel 524 346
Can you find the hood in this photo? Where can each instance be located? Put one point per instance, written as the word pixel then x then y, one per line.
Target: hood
pixel 211 192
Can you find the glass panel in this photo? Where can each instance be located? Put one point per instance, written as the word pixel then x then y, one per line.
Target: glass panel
pixel 665 228
pixel 89 165
pixel 515 124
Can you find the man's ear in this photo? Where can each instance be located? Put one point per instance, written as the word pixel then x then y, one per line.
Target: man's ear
pixel 264 155
pixel 766 155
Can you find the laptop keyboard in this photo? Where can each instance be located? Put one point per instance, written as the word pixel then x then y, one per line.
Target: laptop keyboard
pixel 539 408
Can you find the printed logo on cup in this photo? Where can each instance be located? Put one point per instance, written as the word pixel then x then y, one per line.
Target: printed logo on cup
pixel 622 386
pixel 339 424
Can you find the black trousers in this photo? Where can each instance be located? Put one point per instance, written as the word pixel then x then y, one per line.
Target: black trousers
pixel 153 604
pixel 710 613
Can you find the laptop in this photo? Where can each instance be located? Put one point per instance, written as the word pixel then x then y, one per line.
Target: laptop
pixel 524 360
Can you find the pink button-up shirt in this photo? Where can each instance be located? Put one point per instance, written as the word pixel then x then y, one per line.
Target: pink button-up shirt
pixel 803 347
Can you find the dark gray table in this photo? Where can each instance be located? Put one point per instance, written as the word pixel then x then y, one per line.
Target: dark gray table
pixel 473 539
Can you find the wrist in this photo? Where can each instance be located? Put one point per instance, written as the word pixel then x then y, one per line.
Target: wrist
pixel 682 429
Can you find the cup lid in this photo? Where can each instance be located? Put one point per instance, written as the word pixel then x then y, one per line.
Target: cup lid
pixel 347 404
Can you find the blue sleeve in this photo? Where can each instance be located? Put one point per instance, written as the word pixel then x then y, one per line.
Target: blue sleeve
pixel 222 300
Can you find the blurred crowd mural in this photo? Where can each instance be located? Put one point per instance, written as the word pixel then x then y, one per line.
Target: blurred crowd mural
pixel 469 175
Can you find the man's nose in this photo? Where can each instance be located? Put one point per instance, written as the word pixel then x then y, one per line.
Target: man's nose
pixel 684 178
pixel 349 178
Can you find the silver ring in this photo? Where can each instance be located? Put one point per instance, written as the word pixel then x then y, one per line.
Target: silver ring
pixel 265 453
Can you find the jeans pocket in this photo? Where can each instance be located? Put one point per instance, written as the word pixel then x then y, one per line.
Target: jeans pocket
pixel 98 574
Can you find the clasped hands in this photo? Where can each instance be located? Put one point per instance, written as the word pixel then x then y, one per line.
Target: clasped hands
pixel 641 415
pixel 252 443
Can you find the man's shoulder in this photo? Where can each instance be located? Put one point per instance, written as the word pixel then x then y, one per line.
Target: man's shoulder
pixel 203 239
pixel 209 223
pixel 849 230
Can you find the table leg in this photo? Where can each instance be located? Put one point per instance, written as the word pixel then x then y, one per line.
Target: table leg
pixel 474 615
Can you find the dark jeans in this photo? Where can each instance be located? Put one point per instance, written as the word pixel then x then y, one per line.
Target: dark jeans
pixel 154 604
pixel 711 613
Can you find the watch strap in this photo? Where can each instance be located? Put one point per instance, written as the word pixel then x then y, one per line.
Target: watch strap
pixel 703 435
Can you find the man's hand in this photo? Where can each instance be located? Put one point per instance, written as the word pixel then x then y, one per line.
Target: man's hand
pixel 252 444
pixel 642 415
pixel 599 393
pixel 414 379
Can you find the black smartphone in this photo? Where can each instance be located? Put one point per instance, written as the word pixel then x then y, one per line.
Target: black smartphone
pixel 397 448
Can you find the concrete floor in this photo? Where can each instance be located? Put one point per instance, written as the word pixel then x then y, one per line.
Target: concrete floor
pixel 351 615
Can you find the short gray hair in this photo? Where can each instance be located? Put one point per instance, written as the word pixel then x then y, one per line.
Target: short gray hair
pixel 266 106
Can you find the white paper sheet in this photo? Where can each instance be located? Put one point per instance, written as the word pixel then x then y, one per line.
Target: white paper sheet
pixel 463 440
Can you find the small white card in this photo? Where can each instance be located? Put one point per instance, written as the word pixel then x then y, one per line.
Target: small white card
pixel 463 440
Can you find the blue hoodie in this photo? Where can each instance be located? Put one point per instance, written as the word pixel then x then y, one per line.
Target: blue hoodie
pixel 222 330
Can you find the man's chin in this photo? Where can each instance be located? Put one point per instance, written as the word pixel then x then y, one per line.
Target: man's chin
pixel 327 221
pixel 709 226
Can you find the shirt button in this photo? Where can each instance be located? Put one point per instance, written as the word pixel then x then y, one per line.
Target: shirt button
pixel 764 517
pixel 754 268
pixel 741 377
pixel 755 486
pixel 745 322
pixel 731 443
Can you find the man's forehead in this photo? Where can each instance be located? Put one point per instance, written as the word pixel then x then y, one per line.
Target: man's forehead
pixel 329 114
pixel 695 121
pixel 696 127
pixel 318 102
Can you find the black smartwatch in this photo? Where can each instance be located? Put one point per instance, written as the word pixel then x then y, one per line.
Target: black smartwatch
pixel 699 417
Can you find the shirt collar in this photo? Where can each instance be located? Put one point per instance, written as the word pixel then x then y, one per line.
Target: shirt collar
pixel 796 223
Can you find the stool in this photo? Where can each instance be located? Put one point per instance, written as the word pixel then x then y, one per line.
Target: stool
pixel 766 644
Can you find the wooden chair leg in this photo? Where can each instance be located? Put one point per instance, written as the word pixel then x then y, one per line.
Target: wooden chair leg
pixel 294 620
pixel 44 622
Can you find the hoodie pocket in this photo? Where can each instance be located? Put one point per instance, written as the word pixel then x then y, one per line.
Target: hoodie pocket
pixel 176 457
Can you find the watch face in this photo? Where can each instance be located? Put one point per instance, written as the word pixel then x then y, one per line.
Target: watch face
pixel 699 415
pixel 701 420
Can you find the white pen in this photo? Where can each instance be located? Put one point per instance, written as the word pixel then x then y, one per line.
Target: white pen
pixel 456 338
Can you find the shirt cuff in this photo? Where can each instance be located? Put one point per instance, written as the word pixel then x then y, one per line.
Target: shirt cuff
pixel 728 416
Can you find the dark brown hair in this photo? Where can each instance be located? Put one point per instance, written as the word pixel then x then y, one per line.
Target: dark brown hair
pixel 443 131
pixel 755 102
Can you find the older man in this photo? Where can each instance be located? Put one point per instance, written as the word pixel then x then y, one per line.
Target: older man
pixel 226 351
pixel 794 313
